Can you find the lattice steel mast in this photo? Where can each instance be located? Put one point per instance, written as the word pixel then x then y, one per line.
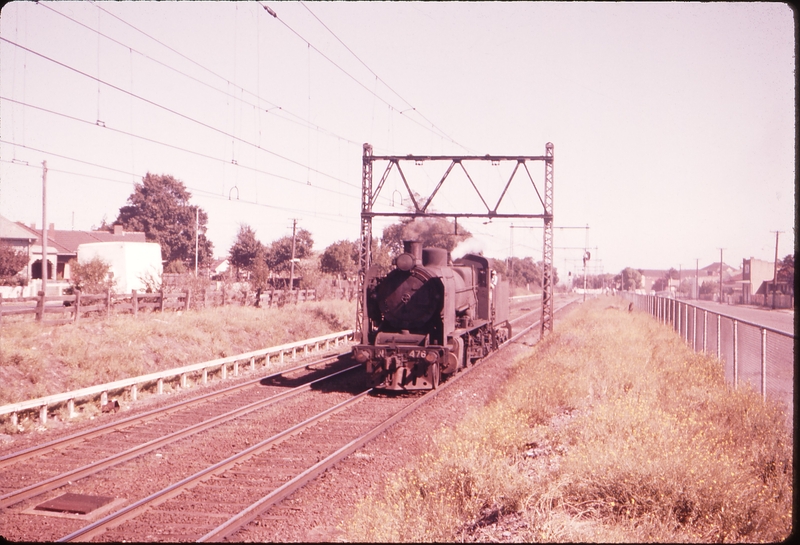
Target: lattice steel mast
pixel 368 198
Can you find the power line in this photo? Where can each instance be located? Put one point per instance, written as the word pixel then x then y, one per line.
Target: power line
pixel 367 89
pixel 376 75
pixel 195 190
pixel 173 146
pixel 299 121
pixel 174 112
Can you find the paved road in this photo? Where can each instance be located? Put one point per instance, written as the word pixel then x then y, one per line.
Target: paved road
pixel 780 319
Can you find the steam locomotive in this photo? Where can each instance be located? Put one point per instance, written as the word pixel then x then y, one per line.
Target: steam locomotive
pixel 430 317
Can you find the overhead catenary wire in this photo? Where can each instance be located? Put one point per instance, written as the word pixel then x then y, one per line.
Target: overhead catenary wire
pixel 181 115
pixel 440 133
pixel 197 191
pixel 377 77
pixel 174 146
pixel 297 118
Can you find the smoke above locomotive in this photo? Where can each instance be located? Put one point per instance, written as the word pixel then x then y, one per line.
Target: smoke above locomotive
pixel 430 317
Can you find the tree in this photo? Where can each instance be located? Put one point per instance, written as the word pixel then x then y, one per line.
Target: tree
pixel 279 254
pixel 629 279
pixel 709 287
pixel 91 276
pixel 340 258
pixel 247 250
pixel 432 232
pixel 786 269
pixel 159 207
pixel 12 261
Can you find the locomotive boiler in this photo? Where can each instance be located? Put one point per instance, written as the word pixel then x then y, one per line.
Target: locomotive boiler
pixel 430 317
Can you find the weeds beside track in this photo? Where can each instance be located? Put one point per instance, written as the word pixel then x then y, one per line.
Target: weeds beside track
pixel 611 430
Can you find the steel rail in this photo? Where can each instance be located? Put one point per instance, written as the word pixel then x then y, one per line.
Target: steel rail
pixel 55 444
pixel 90 469
pixel 131 511
pixel 249 514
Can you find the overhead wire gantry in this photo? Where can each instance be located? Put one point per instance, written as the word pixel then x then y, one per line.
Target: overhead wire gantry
pixel 422 209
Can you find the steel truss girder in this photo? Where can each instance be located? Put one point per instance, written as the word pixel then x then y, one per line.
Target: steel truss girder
pixel 368 199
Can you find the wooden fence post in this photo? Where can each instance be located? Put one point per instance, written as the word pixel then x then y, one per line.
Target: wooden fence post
pixel 271 296
pixel 77 306
pixel 188 298
pixel 108 303
pixel 162 299
pixel 40 307
pixel 224 295
pixel 244 297
pixel 135 303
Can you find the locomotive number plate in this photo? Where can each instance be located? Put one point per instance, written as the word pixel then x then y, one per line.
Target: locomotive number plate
pixel 417 353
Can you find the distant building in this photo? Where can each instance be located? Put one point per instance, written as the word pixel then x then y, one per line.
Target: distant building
pixel 62 246
pixel 755 272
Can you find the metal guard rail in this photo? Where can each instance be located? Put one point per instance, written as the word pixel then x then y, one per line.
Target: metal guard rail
pixel 43 403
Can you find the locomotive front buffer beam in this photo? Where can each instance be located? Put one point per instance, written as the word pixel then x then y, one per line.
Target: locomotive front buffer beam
pixel 403 367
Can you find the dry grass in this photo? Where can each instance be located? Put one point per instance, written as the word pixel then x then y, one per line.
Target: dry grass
pixel 36 361
pixel 611 430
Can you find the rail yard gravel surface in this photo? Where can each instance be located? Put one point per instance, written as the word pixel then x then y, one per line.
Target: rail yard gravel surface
pixel 316 512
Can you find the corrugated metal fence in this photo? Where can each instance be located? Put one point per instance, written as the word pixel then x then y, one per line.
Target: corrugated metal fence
pixel 750 353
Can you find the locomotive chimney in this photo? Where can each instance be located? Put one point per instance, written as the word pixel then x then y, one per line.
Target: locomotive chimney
pixel 414 248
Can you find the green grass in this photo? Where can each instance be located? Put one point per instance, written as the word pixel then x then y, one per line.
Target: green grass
pixel 40 360
pixel 610 430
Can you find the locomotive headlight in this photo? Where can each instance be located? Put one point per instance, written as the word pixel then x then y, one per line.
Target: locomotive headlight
pixel 430 357
pixel 405 262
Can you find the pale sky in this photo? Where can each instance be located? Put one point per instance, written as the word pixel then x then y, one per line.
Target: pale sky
pixel 672 123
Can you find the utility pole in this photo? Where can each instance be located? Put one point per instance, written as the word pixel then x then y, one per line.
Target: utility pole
pixel 291 274
pixel 196 236
pixel 44 227
pixel 720 275
pixel 775 270
pixel 697 278
pixel 511 258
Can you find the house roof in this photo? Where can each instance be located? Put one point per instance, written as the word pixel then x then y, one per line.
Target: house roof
pixel 10 230
pixel 64 242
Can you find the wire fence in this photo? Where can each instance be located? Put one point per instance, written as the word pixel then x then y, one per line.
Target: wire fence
pixel 752 354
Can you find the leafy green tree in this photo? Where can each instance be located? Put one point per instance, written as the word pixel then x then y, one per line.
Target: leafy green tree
pixel 279 254
pixel 12 261
pixel 630 279
pixel 92 276
pixel 159 207
pixel 786 269
pixel 247 250
pixel 709 287
pixel 340 258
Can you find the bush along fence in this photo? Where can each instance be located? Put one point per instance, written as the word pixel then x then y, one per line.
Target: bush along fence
pixel 751 353
pixel 71 308
pixel 181 375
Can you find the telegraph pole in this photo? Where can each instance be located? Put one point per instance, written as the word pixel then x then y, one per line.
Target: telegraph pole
pixel 720 275
pixel 196 236
pixel 696 278
pixel 775 270
pixel 291 274
pixel 44 227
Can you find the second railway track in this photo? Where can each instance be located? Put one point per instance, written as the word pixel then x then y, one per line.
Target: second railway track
pixel 206 485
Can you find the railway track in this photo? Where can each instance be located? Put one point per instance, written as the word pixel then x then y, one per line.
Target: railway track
pixel 211 498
